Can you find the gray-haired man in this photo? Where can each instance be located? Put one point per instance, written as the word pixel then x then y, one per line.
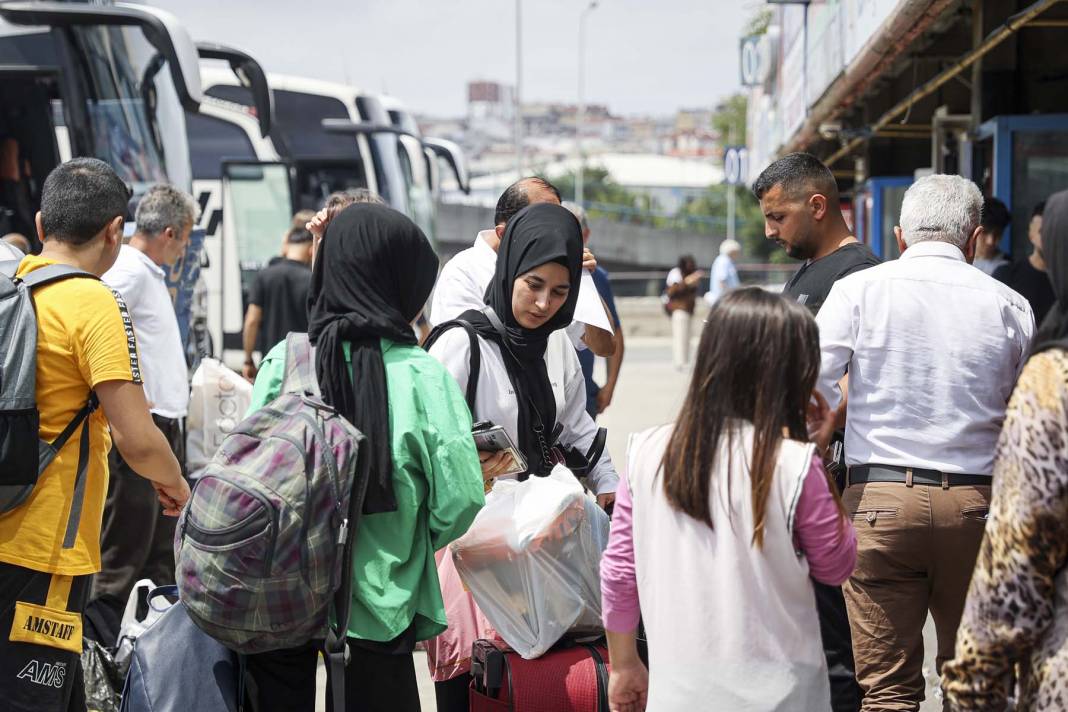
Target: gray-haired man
pixel 933 347
pixel 136 539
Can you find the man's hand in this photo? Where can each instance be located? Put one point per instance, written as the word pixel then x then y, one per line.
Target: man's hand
pixel 494 463
pixel 628 688
pixel 821 422
pixel 174 498
pixel 249 371
pixel 604 399
pixel 603 500
pixel 589 262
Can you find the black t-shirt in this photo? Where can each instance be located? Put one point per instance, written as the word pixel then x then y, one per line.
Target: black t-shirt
pixel 811 284
pixel 1030 283
pixel 281 291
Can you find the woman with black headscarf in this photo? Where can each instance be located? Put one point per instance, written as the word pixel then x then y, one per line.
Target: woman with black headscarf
pixel 372 275
pixel 529 378
pixel 1014 614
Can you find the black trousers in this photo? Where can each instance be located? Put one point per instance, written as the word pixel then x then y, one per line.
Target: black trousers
pixel 837 647
pixel 40 670
pixel 136 538
pixel 284 681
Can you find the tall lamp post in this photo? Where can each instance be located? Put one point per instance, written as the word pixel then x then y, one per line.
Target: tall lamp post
pixel 580 115
pixel 518 89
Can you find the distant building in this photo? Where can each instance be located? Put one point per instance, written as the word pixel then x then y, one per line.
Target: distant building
pixel 490 109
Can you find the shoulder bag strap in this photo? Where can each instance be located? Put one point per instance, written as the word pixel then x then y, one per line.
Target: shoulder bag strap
pixel 475 358
pixel 299 374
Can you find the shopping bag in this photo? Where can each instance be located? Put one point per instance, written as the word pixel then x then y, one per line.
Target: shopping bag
pixel 531 560
pixel 217 403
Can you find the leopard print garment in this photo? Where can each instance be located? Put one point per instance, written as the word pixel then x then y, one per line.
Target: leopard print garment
pixel 1016 614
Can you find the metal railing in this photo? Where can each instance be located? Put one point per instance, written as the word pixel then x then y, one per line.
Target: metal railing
pixel 652 283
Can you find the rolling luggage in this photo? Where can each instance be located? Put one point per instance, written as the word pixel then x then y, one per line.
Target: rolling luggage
pixel 568 678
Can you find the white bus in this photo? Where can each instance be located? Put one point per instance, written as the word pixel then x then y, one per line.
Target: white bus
pixel 104 80
pixel 322 137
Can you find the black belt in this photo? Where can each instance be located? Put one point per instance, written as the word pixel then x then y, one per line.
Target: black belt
pixel 859 474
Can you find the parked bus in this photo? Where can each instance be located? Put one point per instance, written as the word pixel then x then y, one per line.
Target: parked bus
pixel 323 137
pixel 103 80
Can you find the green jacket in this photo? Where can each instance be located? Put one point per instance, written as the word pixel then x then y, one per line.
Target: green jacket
pixel 437 482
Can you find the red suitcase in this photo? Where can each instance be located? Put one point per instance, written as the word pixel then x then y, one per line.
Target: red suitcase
pixel 566 679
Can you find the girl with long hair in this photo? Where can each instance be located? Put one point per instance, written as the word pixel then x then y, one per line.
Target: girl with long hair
pixel 722 519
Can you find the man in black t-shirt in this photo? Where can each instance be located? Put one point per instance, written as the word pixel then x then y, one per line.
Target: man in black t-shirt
pixel 278 299
pixel 1028 276
pixel 799 198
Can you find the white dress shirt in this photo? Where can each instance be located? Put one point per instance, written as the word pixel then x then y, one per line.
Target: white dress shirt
pixel 724 278
pixel 141 282
pixel 495 400
pixel 463 281
pixel 933 347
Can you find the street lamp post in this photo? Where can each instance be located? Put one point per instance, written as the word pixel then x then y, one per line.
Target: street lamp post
pixel 580 115
pixel 518 88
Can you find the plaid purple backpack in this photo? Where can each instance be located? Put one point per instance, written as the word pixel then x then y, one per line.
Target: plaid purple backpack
pixel 264 546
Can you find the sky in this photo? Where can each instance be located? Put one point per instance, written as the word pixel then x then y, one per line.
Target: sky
pixel 644 57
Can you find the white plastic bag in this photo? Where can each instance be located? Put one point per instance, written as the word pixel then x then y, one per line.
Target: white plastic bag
pixel 217 403
pixel 132 627
pixel 531 559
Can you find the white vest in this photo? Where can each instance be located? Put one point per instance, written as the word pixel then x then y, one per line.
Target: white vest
pixel 730 626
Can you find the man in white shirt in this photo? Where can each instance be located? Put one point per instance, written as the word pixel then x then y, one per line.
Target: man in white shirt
pixel 724 275
pixel 463 280
pixel 136 539
pixel 933 348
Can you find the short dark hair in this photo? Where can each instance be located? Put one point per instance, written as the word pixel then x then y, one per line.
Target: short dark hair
pixel 517 196
pixel 995 216
pixel 298 235
pixel 1039 209
pixel 797 172
pixel 79 198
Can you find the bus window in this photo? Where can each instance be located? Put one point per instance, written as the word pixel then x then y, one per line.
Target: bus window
pixel 317 179
pixel 212 139
pixel 131 102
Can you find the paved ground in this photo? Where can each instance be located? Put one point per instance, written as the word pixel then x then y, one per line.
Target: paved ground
pixel 650 392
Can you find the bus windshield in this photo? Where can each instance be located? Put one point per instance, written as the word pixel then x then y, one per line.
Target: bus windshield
pixel 137 122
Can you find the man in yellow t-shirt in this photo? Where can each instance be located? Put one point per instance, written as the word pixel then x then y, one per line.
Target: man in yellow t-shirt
pixel 50 544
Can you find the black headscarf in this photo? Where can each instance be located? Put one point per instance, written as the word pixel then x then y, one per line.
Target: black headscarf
pixel 373 273
pixel 536 235
pixel 1055 251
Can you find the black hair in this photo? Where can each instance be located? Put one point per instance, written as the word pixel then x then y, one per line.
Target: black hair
pixel 517 196
pixel 298 235
pixel 995 217
pixel 796 173
pixel 79 198
pixel 687 264
pixel 1039 209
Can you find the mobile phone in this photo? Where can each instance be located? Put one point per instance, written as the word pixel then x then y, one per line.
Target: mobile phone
pixel 494 438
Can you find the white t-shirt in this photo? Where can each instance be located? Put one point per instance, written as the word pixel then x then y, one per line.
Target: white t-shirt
pixel 141 283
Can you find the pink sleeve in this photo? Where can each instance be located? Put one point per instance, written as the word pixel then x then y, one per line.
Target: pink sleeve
pixel 619 587
pixel 825 536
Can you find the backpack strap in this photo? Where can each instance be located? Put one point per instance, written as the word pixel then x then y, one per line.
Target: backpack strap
pixel 475 362
pixel 336 646
pixel 52 273
pixel 300 368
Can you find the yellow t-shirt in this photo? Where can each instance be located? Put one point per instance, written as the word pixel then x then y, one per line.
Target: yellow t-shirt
pixel 84 337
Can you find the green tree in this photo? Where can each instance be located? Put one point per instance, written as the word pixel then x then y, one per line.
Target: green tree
pixel 598 187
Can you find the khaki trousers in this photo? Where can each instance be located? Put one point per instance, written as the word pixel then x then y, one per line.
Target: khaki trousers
pixel 916 548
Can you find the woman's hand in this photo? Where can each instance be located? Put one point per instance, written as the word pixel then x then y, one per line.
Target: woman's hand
pixel 821 422
pixel 628 687
pixel 494 463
